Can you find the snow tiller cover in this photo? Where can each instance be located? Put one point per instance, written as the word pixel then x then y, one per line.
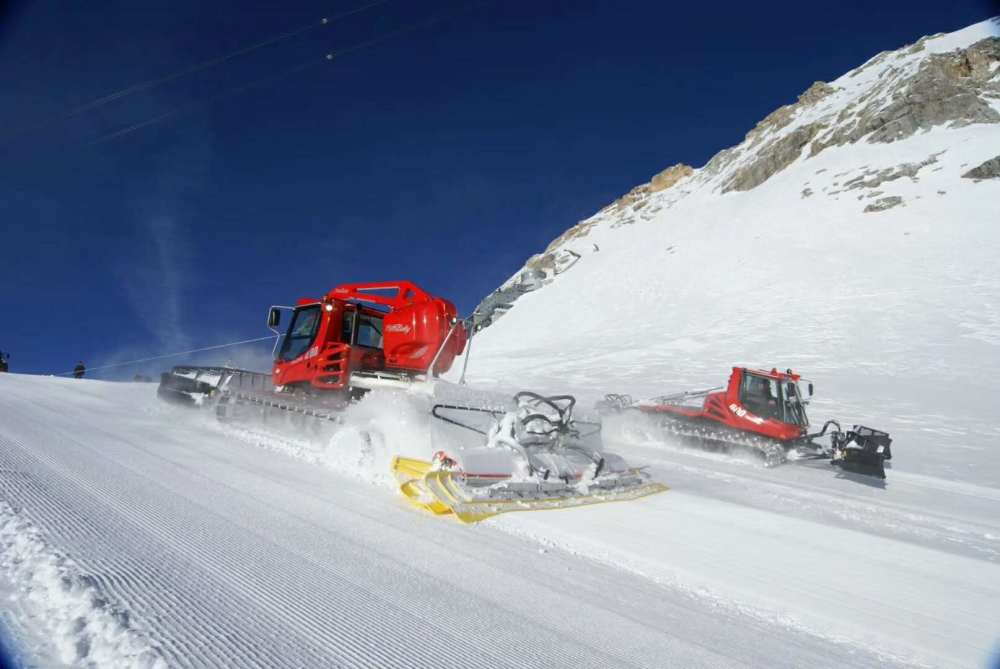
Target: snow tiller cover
pixel 191 385
pixel 531 456
pixel 763 413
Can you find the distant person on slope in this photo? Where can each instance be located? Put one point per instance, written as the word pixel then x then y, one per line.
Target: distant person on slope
pixel 79 370
pixel 4 362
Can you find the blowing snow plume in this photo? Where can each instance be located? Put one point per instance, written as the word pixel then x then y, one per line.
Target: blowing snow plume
pixel 383 425
pixel 361 443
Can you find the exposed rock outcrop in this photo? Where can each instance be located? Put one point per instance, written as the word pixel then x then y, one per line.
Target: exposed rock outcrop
pixel 628 205
pixel 669 177
pixel 954 89
pixel 988 170
pixel 815 93
pixel 950 88
pixel 773 158
pixel 539 270
pixel 875 178
pixel 577 231
pixel 783 115
pixel 633 196
pixel 884 203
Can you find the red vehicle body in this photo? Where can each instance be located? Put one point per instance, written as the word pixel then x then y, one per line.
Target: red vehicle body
pixel 766 403
pixel 391 329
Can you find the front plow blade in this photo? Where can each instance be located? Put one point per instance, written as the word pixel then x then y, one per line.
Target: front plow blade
pixel 470 500
pixel 863 450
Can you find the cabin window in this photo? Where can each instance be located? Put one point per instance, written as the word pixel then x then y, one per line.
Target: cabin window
pixel 347 326
pixel 760 396
pixel 369 331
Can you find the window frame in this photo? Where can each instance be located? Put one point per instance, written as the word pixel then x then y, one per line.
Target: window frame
pixel 375 322
pixel 289 337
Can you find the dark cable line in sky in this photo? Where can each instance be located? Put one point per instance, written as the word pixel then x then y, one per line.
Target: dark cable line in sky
pixel 410 27
pixel 193 69
pixel 176 354
pixel 263 81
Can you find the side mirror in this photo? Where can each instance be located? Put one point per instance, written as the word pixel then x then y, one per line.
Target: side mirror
pixel 274 318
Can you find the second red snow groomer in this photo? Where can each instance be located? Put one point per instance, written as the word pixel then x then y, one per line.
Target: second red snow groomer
pixel 764 413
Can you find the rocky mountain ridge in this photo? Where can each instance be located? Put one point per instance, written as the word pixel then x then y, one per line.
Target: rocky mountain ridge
pixel 940 81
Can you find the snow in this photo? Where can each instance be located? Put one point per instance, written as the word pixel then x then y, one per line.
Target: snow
pixel 80 621
pixel 892 314
pixel 889 66
pixel 740 557
pixel 135 533
pixel 214 551
pixel 225 554
pixel 960 39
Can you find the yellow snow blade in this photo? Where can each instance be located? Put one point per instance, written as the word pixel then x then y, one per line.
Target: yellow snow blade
pixel 409 468
pixel 442 485
pixel 437 491
pixel 410 473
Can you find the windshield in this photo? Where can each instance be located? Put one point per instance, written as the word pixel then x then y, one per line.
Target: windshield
pixel 301 332
pixel 795 408
pixel 773 398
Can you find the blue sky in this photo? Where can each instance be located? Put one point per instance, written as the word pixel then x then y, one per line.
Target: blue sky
pixel 446 155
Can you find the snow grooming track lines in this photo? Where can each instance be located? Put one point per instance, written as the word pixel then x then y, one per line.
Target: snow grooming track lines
pixel 913 605
pixel 69 604
pixel 375 609
pixel 764 614
pixel 963 521
pixel 240 557
pixel 440 659
pixel 135 578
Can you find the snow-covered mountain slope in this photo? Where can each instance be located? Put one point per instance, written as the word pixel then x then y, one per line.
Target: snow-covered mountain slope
pixel 852 236
pixel 137 534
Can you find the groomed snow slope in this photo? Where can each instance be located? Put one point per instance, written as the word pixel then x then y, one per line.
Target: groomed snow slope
pixel 893 313
pixel 140 534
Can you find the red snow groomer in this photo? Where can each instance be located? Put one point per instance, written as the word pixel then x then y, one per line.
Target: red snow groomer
pixel 355 338
pixel 761 412
pixel 362 335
